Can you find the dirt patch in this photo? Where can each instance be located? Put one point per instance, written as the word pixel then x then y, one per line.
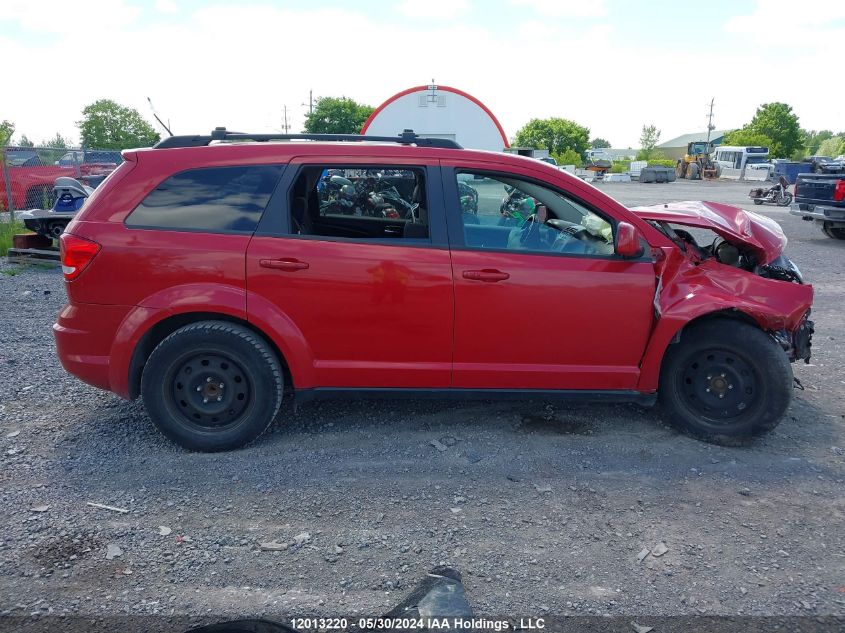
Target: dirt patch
pixel 64 549
pixel 548 424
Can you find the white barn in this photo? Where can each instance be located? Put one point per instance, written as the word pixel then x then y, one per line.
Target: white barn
pixel 438 112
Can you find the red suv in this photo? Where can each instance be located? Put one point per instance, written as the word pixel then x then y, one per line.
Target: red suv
pixel 212 274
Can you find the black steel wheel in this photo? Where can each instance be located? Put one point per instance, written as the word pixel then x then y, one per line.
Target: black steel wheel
pixel 718 384
pixel 212 386
pixel 725 381
pixel 211 390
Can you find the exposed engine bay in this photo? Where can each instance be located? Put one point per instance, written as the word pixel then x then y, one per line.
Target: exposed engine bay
pixel 714 246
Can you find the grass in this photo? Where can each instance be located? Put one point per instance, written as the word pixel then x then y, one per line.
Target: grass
pixel 7 231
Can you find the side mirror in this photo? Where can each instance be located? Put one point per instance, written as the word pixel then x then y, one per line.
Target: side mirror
pixel 628 241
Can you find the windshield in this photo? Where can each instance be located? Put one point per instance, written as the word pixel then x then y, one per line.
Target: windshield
pixel 756 160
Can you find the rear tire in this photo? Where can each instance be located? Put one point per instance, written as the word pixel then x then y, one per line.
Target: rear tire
pixel 212 386
pixel 725 382
pixel 834 232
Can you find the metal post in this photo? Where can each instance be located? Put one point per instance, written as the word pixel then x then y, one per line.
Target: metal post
pixel 8 180
pixel 710 126
pixel 77 171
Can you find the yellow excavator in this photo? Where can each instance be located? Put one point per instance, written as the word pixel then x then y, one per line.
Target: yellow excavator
pixel 696 164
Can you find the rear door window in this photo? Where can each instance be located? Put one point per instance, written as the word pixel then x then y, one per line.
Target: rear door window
pixel 212 199
pixel 361 203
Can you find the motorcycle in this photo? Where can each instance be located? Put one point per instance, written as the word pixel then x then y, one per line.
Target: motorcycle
pixel 516 207
pixel 776 194
pixel 69 195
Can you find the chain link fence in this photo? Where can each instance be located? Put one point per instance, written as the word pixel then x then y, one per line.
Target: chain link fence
pixel 29 173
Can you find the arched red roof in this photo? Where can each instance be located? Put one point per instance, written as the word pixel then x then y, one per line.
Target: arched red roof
pixel 466 95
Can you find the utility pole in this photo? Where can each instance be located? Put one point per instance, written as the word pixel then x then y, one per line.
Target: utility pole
pixel 285 124
pixel 310 103
pixel 710 126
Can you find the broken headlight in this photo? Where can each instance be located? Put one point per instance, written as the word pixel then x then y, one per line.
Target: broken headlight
pixel 782 269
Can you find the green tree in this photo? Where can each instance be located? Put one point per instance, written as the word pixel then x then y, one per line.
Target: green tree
pixel 568 157
pixel 337 115
pixel 599 143
pixel 649 137
pixel 747 136
pixel 813 139
pixel 106 124
pixel 777 122
pixel 556 135
pixel 832 147
pixel 7 129
pixel 58 141
pixel 25 142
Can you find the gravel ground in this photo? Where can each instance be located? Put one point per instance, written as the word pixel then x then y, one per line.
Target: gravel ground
pixel 544 508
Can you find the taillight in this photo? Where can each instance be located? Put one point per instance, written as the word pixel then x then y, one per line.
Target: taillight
pixel 839 191
pixel 77 253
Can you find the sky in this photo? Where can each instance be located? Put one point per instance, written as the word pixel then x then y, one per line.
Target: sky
pixel 610 65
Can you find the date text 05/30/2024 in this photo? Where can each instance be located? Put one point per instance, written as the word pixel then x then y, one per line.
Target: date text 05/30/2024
pixel 442 624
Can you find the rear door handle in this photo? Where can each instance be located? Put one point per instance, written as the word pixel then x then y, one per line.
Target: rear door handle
pixel 288 264
pixel 488 274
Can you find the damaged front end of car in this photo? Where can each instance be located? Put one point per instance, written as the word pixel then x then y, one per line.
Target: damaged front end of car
pixel 730 262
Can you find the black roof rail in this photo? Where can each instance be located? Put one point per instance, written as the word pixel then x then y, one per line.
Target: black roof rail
pixel 407 137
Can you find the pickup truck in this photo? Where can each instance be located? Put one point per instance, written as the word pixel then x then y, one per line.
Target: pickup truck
pixel 825 165
pixel 31 181
pixel 820 198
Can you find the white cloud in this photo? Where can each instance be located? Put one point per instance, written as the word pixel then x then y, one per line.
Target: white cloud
pixel 198 80
pixel 166 6
pixel 779 19
pixel 434 9
pixel 565 8
pixel 66 17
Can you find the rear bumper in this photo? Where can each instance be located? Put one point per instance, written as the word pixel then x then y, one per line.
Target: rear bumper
pixel 817 212
pixel 84 334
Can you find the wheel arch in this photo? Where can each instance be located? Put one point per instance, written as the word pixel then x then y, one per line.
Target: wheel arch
pixel 165 327
pixel 672 333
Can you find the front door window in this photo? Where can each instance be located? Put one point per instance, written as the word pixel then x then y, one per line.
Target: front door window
pixel 502 212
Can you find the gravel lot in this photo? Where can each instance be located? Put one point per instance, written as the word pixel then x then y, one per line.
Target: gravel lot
pixel 544 508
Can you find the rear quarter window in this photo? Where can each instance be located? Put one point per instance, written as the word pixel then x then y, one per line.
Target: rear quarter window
pixel 211 199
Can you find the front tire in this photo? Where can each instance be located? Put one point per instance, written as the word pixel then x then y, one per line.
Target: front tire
pixel 725 382
pixel 212 386
pixel 692 171
pixel 785 200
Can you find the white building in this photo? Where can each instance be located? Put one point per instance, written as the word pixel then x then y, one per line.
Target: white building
pixel 438 112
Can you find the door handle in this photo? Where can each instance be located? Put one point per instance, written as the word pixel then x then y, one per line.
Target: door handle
pixel 488 274
pixel 288 264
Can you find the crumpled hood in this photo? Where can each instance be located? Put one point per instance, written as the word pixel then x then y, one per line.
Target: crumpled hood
pixel 760 235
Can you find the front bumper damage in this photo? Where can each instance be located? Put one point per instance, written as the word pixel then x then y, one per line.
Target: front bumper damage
pixel 798 342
